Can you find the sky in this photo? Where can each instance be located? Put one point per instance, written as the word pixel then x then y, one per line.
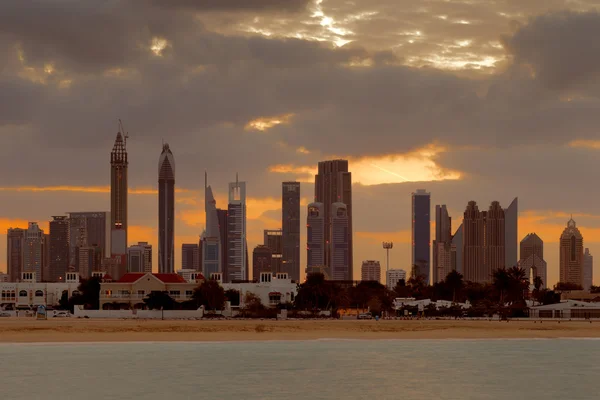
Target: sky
pixel 471 100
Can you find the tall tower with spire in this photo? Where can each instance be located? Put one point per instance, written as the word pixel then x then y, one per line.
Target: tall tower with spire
pixel 118 196
pixel 166 211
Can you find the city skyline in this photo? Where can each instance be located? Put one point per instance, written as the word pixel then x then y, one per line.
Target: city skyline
pixel 433 94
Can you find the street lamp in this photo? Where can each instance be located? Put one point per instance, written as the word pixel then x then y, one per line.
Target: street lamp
pixel 388 246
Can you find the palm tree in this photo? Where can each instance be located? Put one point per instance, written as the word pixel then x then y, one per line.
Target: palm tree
pixel 501 282
pixel 454 281
pixel 538 283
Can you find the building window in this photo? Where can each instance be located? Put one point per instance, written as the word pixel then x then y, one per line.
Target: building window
pixel 23 293
pixel 189 293
pixel 39 293
pixel 274 298
pixel 174 293
pixel 141 293
pixel 108 293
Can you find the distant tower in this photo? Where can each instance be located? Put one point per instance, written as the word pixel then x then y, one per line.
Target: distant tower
pixel 139 258
pixel 33 250
pixel 511 228
pixel 166 211
pixel 571 255
pixel 421 232
pixel 532 258
pixel 59 248
pixel 237 246
pixel 211 240
pixel 290 224
pixel 14 256
pixel 315 232
pixel 261 261
pixel 473 245
pixel 118 195
pixel 339 246
pixel 495 250
pixel 273 239
pixel 588 269
pixel 442 245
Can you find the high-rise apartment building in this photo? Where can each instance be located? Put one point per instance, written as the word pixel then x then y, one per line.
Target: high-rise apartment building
pixel 59 251
pixel 421 233
pixel 14 253
pixel 290 224
pixel 33 250
pixel 315 234
pixel 588 270
pixel 340 243
pixel 532 258
pixel 91 227
pixel 571 255
pixel 370 271
pixel 237 268
pixel 261 261
pixel 393 276
pixel 442 245
pixel 333 184
pixel 457 250
pixel 511 228
pixel 190 256
pixel 139 258
pixel 118 198
pixel 474 244
pixel 223 218
pixel 495 250
pixel 212 240
pixel 273 239
pixel 166 211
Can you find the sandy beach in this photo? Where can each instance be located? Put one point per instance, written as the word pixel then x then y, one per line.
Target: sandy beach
pixel 20 330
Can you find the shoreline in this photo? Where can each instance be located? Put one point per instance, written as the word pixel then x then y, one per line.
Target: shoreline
pixel 56 331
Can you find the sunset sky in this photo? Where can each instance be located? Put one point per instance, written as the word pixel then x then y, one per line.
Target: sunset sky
pixel 472 100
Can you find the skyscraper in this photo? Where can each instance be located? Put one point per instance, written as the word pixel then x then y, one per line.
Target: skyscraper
pixel 370 271
pixel 261 261
pixel 223 217
pixel 442 245
pixel 118 197
pixel 588 269
pixel 571 255
pixel 473 244
pixel 457 250
pixel 273 239
pixel 495 251
pixel 532 258
pixel 33 250
pixel 14 253
pixel 237 268
pixel 511 228
pixel 340 244
pixel 212 240
pixel 139 258
pixel 421 233
pixel 89 229
pixel 59 251
pixel 315 233
pixel 166 211
pixel 190 256
pixel 290 224
pixel 333 184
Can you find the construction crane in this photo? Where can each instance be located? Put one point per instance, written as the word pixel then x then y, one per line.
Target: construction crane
pixel 122 130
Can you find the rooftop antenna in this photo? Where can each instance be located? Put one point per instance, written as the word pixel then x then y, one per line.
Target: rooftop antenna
pixel 122 130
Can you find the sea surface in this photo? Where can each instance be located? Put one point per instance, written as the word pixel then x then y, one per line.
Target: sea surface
pixel 323 369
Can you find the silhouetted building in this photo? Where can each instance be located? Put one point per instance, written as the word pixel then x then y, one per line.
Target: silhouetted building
pixel 511 229
pixel 118 198
pixel 59 252
pixel 223 242
pixel 571 255
pixel 166 211
pixel 237 265
pixel 495 250
pixel 588 270
pixel 370 271
pixel 93 227
pixel 261 261
pixel 33 250
pixel 442 245
pixel 139 258
pixel 273 239
pixel 457 250
pixel 14 253
pixel 315 233
pixel 290 224
pixel 333 184
pixel 340 243
pixel 393 276
pixel 212 241
pixel 474 244
pixel 532 258
pixel 421 233
pixel 190 256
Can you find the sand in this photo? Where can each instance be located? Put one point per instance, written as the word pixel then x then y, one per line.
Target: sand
pixel 22 330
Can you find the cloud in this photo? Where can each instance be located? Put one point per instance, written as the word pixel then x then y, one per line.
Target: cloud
pixel 234 5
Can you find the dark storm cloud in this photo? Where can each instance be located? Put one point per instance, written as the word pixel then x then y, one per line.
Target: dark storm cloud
pixel 562 48
pixel 234 5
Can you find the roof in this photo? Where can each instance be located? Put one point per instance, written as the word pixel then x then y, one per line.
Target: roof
pixel 568 304
pixel 165 278
pixel 107 277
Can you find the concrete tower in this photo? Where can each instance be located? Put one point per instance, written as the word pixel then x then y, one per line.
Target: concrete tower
pixel 532 258
pixel 474 244
pixel 571 255
pixel 421 233
pixel 315 232
pixel 118 197
pixel 495 250
pixel 290 224
pixel 340 244
pixel 237 265
pixel 166 211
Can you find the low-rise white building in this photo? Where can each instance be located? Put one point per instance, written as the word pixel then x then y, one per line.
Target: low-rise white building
pixel 421 304
pixel 272 289
pixel 28 293
pixel 566 309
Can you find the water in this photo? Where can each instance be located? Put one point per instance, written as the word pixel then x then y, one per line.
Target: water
pixel 326 369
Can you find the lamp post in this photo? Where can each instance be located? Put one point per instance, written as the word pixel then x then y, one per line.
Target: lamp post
pixel 388 246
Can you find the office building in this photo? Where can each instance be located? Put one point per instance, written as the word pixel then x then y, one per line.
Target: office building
pixel 370 271
pixel 88 229
pixel 166 211
pixel 33 250
pixel 315 234
pixel 474 244
pixel 139 258
pixel 190 256
pixel 571 255
pixel 14 253
pixel 273 239
pixel 442 245
pixel 59 248
pixel 290 224
pixel 495 251
pixel 532 258
pixel 340 243
pixel 223 217
pixel 333 184
pixel 237 268
pixel 393 276
pixel 421 233
pixel 511 228
pixel 457 250
pixel 118 199
pixel 588 270
pixel 261 261
pixel 212 240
